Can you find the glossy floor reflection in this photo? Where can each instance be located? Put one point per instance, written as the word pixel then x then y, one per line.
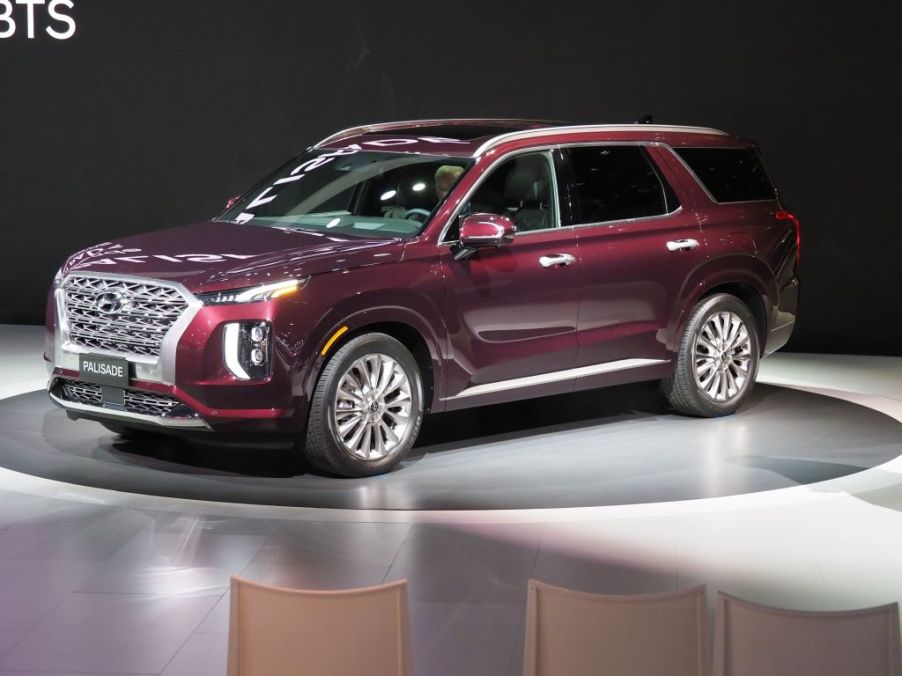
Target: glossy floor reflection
pixel 94 581
pixel 620 445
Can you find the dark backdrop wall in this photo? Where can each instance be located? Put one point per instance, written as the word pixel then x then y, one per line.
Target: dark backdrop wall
pixel 156 111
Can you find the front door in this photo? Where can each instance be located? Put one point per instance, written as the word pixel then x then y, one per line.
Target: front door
pixel 512 311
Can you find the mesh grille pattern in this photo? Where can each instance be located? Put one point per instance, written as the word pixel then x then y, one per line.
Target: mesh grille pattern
pixel 83 393
pixel 136 401
pixel 146 312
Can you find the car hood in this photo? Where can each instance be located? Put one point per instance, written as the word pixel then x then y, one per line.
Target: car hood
pixel 217 255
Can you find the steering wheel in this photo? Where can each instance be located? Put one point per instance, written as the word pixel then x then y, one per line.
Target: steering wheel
pixel 411 213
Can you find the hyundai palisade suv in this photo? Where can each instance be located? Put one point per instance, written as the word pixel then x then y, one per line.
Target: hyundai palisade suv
pixel 397 269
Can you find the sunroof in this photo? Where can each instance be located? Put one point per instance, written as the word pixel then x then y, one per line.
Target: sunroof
pixel 468 132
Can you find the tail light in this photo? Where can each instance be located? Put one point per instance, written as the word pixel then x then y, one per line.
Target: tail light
pixel 784 215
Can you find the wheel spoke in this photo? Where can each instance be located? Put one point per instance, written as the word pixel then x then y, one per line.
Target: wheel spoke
pixel 390 435
pixel 350 424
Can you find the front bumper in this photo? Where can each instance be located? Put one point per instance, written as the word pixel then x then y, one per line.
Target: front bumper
pixel 188 375
pixel 86 399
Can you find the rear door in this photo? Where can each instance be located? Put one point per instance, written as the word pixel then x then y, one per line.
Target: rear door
pixel 638 247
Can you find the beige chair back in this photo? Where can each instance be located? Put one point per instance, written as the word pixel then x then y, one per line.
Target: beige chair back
pixel 570 633
pixel 753 640
pixel 290 632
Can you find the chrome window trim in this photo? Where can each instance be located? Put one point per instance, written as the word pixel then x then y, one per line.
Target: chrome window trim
pixel 554 377
pixel 593 128
pixel 701 183
pixel 152 369
pixel 125 416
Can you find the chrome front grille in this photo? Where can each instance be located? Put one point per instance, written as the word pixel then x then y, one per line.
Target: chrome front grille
pixel 136 401
pixel 129 317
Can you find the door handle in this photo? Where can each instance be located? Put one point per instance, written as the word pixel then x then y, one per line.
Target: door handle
pixel 680 244
pixel 556 261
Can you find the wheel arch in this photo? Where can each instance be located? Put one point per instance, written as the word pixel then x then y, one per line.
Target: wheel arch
pixel 744 277
pixel 402 324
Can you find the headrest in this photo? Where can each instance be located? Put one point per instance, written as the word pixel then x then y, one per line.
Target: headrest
pixel 527 179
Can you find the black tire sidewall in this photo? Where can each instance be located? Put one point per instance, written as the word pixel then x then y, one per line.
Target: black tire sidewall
pixel 340 460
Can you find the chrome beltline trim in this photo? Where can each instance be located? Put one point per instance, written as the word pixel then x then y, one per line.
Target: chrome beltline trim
pixel 556 376
pixel 125 416
pixel 152 369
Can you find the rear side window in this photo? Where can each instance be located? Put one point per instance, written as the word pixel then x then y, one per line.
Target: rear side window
pixel 730 174
pixel 612 183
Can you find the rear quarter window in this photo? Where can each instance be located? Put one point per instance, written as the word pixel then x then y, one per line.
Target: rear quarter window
pixel 730 174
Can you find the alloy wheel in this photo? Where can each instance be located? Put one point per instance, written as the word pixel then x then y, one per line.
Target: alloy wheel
pixel 372 408
pixel 722 356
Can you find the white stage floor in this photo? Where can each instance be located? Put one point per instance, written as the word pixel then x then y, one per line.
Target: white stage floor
pixel 96 581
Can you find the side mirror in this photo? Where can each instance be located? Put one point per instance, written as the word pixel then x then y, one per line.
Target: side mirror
pixel 481 231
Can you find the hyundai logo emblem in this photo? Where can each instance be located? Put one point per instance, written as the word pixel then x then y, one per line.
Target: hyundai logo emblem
pixel 109 303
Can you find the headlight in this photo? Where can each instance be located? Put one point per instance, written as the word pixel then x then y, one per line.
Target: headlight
pixel 253 294
pixel 247 347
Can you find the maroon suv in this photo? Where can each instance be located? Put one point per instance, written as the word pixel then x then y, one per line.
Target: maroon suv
pixel 397 269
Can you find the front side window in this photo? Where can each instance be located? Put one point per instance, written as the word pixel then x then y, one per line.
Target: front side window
pixel 352 192
pixel 521 188
pixel 613 183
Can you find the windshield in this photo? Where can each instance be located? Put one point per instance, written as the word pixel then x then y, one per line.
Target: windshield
pixel 353 192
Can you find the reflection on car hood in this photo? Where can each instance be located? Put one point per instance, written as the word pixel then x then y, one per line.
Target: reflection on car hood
pixel 218 255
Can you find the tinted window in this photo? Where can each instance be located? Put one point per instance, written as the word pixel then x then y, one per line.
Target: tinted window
pixel 352 192
pixel 520 188
pixel 611 183
pixel 729 174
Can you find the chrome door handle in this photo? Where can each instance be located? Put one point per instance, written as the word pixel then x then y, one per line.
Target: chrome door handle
pixel 557 260
pixel 679 244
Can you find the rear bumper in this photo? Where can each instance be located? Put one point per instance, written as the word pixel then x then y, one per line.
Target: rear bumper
pixel 783 319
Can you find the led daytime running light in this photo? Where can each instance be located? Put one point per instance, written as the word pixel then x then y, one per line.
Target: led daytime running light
pixel 254 294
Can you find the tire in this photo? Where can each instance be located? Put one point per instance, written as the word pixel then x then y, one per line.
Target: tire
pixel 375 437
pixel 709 381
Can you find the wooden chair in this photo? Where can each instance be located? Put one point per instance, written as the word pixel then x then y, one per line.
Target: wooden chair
pixel 753 640
pixel 287 632
pixel 571 633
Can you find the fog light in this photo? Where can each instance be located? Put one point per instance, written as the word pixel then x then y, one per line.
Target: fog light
pixel 247 348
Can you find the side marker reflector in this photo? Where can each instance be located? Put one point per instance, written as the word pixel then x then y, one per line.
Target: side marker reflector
pixel 335 336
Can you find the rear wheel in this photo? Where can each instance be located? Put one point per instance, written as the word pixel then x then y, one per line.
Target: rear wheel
pixel 367 408
pixel 717 360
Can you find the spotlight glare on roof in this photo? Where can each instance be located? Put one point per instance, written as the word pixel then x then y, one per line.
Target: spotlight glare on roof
pixel 388 195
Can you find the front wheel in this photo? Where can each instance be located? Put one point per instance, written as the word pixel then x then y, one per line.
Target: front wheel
pixel 717 360
pixel 367 408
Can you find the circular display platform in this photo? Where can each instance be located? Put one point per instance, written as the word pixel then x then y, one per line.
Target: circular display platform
pixel 605 447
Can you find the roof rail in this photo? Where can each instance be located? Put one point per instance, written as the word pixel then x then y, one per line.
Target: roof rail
pixel 530 133
pixel 387 126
